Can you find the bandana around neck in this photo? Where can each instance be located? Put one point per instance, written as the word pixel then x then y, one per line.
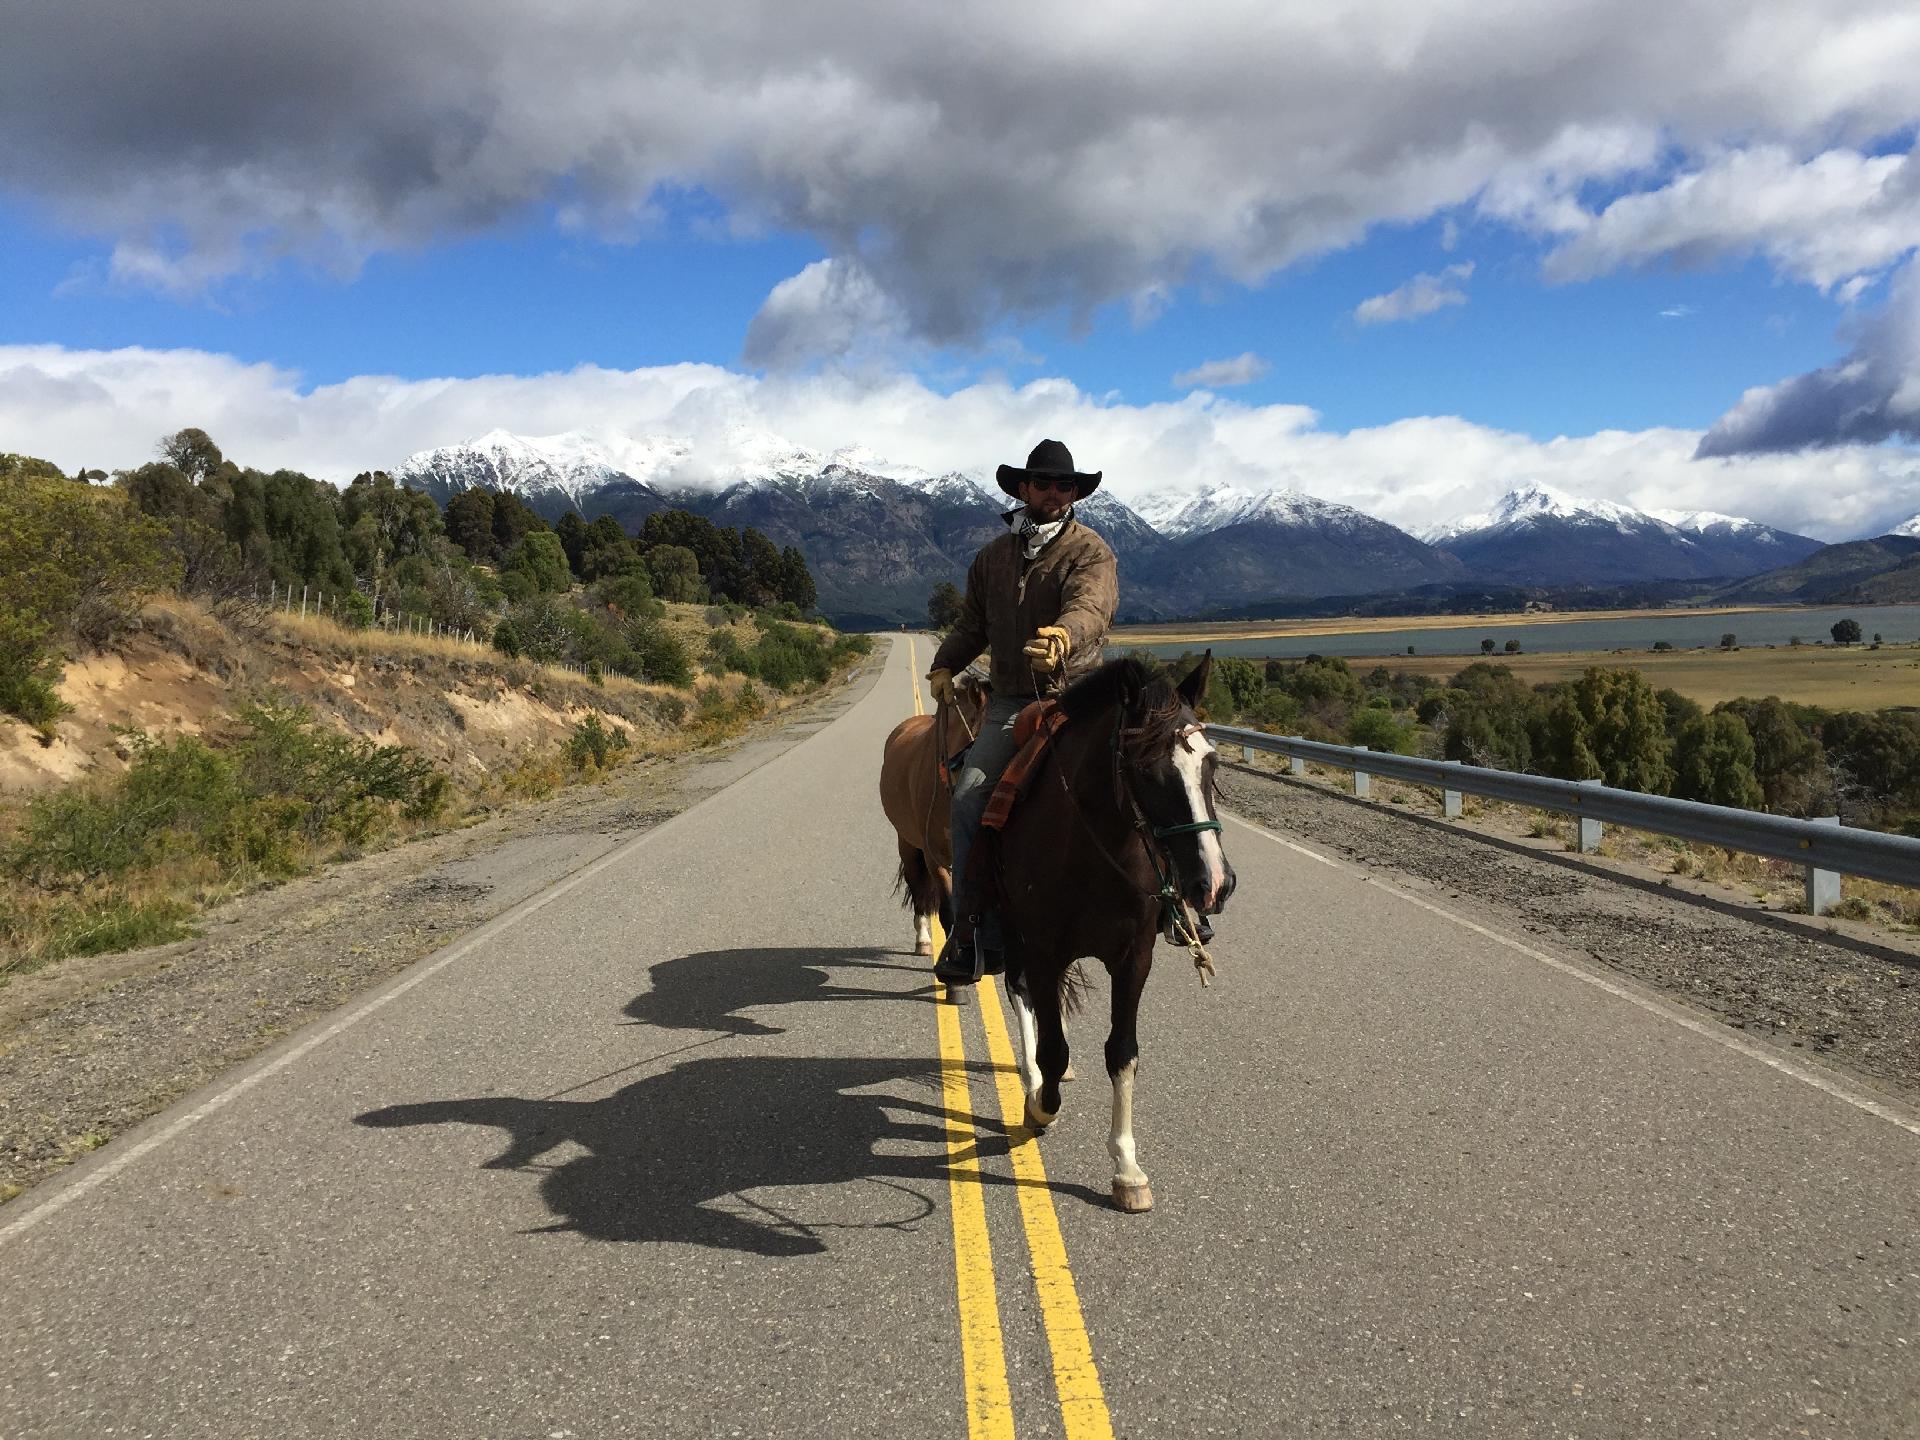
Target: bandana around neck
pixel 1038 536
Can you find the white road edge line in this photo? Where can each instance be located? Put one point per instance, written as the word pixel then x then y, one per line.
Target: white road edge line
pixel 1702 1028
pixel 113 1165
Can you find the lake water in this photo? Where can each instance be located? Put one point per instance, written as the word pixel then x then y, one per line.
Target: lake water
pixel 1896 624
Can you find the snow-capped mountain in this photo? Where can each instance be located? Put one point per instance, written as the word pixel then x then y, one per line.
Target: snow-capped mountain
pixel 1542 536
pixel 1909 527
pixel 567 468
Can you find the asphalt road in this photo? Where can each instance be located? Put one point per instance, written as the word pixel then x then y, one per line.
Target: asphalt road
pixel 682 1146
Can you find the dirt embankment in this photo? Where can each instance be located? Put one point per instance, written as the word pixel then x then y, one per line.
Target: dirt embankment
pixel 186 669
pixel 91 1046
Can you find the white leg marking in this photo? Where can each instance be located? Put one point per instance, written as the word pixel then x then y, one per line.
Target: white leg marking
pixel 1126 1168
pixel 1029 1043
pixel 922 934
pixel 1189 761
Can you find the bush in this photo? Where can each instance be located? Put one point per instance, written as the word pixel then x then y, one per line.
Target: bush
pixel 1713 762
pixel 28 673
pixel 1376 728
pixel 355 611
pixel 593 744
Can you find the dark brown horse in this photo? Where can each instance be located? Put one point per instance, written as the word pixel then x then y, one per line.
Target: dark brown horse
pixel 1116 842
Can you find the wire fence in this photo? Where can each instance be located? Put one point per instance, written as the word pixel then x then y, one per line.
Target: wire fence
pixel 336 607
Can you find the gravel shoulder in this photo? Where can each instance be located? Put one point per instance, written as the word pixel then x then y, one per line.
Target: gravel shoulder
pixel 91 1047
pixel 1803 985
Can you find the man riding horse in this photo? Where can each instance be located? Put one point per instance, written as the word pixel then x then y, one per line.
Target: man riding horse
pixel 1041 598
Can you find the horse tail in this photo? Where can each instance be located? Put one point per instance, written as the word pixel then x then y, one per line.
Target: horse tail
pixel 913 880
pixel 1073 989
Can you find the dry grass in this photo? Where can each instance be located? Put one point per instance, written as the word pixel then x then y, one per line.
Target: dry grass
pixel 1189 634
pixel 1838 677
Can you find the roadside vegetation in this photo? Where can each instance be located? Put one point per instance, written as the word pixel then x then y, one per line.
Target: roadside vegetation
pixel 676 636
pixel 1612 725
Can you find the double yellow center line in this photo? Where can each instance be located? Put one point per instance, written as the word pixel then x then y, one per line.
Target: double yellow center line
pixel 1083 1405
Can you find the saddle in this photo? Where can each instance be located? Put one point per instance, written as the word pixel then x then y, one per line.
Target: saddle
pixel 1033 731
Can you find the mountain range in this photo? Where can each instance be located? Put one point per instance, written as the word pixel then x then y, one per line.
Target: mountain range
pixel 878 536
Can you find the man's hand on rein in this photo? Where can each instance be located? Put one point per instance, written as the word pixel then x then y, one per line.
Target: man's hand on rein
pixel 940 683
pixel 1048 649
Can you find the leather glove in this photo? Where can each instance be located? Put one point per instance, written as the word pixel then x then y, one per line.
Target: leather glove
pixel 1048 649
pixel 940 683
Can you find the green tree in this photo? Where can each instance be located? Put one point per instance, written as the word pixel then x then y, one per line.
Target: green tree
pixel 1375 727
pixel 1610 725
pixel 1787 759
pixel 386 523
pixel 797 587
pixel 606 550
pixel 193 453
pixel 1846 632
pixel 764 569
pixel 571 528
pixel 944 606
pixel 512 518
pixel 1513 647
pixel 469 524
pixel 1243 681
pixel 540 560
pixel 675 572
pixel 1486 647
pixel 1487 717
pixel 1713 762
pixel 1728 640
pixel 301 521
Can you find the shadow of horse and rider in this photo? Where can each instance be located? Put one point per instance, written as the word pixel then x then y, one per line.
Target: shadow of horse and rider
pixel 683 1155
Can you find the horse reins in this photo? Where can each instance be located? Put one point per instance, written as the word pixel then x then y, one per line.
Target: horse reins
pixel 1174 909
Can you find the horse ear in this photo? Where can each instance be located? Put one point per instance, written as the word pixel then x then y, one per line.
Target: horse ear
pixel 1195 685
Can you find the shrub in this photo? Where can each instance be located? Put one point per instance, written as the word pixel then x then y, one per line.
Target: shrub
pixel 593 744
pixel 1662 645
pixel 355 611
pixel 28 673
pixel 1713 762
pixel 1376 728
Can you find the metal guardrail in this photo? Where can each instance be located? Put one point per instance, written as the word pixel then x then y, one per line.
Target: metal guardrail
pixel 1825 847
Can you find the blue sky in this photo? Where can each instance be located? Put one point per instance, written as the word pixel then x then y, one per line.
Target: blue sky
pixel 1523 354
pixel 1677 233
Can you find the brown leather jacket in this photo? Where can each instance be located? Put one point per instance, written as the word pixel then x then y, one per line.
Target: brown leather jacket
pixel 1073 583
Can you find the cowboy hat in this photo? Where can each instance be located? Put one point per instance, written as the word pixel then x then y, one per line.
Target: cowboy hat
pixel 1052 460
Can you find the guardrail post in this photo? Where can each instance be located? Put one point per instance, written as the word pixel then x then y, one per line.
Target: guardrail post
pixel 1362 782
pixel 1590 831
pixel 1450 800
pixel 1823 886
pixel 1246 754
pixel 1296 767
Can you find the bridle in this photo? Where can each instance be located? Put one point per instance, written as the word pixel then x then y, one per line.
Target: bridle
pixel 1176 921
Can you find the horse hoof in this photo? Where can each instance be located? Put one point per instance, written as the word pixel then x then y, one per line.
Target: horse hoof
pixel 923 947
pixel 956 995
pixel 1068 1074
pixel 1133 1199
pixel 1037 1119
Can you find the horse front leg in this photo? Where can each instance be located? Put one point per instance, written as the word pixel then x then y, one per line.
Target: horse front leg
pixel 1130 1190
pixel 1045 1034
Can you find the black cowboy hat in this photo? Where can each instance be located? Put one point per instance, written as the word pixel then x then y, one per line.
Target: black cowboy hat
pixel 1050 459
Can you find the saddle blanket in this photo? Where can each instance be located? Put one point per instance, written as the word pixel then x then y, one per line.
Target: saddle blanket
pixel 1033 732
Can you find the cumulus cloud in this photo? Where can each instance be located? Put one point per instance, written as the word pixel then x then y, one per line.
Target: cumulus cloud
pixel 107 408
pixel 1242 369
pixel 832 310
pixel 974 163
pixel 1870 395
pixel 1829 220
pixel 1422 295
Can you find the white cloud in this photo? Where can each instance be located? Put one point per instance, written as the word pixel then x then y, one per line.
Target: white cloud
pixel 974 163
pixel 1679 312
pixel 831 310
pixel 107 408
pixel 1829 220
pixel 1242 369
pixel 1422 295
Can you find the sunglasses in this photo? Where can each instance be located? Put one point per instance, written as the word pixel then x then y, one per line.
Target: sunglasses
pixel 1062 485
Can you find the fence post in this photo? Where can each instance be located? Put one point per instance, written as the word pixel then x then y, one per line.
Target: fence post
pixel 1823 886
pixel 1590 831
pixel 1450 800
pixel 1362 782
pixel 1246 754
pixel 1297 767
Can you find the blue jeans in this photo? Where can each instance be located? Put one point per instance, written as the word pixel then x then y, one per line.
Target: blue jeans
pixel 973 788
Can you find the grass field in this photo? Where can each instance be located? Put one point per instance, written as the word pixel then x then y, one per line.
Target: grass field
pixel 1189 633
pixel 1837 677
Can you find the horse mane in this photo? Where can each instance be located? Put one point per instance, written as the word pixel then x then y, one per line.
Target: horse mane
pixel 1151 709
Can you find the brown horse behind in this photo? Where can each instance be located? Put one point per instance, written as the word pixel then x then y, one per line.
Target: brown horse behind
pixel 917 802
